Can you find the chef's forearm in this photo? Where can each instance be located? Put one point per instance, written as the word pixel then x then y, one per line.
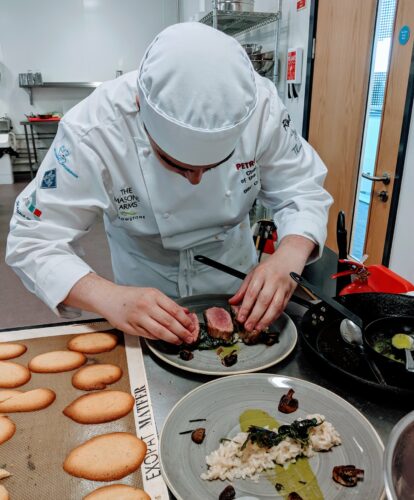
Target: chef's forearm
pixel 299 245
pixel 91 293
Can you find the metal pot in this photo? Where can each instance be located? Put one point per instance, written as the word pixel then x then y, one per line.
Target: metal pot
pixel 399 460
pixel 381 331
pixel 235 5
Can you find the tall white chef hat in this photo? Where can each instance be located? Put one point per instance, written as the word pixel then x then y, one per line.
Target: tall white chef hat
pixel 197 92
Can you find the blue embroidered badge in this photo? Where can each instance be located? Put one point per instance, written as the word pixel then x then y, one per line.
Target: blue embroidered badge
pixel 49 180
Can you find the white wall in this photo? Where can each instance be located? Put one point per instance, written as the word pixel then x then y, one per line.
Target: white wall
pixel 294 32
pixel 402 252
pixel 72 40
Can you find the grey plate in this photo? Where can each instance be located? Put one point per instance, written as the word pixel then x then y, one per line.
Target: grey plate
pixel 223 400
pixel 250 358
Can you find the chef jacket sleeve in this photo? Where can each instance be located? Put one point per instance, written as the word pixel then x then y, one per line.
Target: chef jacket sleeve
pixel 52 213
pixel 292 177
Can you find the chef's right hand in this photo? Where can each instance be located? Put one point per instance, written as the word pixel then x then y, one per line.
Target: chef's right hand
pixel 146 312
pixel 149 313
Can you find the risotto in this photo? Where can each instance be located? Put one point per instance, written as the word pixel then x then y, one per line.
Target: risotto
pixel 229 461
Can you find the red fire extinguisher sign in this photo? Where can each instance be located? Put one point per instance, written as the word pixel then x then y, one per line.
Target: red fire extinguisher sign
pixel 291 66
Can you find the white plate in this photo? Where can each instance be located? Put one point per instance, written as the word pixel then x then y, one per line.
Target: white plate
pixel 222 401
pixel 252 358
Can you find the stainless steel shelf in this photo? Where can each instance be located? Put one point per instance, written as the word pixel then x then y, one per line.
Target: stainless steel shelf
pixel 78 85
pixel 237 23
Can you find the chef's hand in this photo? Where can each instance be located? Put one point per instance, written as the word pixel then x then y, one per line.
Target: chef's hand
pixel 146 312
pixel 268 287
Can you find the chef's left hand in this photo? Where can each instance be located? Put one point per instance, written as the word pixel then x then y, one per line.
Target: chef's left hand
pixel 268 287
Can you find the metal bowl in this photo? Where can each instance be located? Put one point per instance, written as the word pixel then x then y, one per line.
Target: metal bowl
pixel 235 5
pixel 399 460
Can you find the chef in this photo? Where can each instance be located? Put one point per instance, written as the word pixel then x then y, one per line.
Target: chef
pixel 172 157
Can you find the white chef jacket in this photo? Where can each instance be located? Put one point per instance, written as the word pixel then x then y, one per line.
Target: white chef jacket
pixel 101 165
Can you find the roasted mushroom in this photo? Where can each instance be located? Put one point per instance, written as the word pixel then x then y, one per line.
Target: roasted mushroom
pixel 270 338
pixel 228 493
pixel 347 475
pixel 198 435
pixel 186 355
pixel 294 496
pixel 230 359
pixel 287 403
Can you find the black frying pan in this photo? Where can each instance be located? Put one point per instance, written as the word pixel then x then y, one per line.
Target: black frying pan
pixel 377 334
pixel 320 335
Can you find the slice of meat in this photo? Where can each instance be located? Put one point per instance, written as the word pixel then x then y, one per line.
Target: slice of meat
pixel 219 323
pixel 248 338
pixel 234 312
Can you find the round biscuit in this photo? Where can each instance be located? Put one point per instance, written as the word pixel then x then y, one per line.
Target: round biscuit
pixel 107 457
pixel 36 399
pixel 8 393
pixel 4 494
pixel 93 343
pixel 13 375
pixel 117 492
pixel 96 377
pixel 57 361
pixel 10 350
pixel 99 407
pixel 7 429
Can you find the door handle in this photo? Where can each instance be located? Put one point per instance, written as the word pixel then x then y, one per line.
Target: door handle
pixel 385 178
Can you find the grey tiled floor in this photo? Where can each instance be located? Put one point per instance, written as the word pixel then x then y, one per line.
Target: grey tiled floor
pixel 18 307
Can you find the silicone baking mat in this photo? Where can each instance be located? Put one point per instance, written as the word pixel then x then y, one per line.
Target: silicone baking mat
pixel 35 454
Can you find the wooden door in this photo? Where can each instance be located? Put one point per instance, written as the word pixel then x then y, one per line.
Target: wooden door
pixel 390 134
pixel 344 38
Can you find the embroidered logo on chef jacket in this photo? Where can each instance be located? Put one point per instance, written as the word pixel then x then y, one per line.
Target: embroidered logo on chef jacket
pixel 19 211
pixel 30 203
pixel 128 203
pixel 290 129
pixel 249 174
pixel 62 155
pixel 49 180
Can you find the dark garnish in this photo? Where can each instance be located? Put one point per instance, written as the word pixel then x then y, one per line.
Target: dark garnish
pixel 294 496
pixel 278 486
pixel 203 343
pixel 230 359
pixel 186 432
pixel 287 403
pixel 198 420
pixel 228 493
pixel 222 440
pixel 198 435
pixel 297 430
pixel 206 342
pixel 347 475
pixel 270 339
pixel 186 355
pixel 302 482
